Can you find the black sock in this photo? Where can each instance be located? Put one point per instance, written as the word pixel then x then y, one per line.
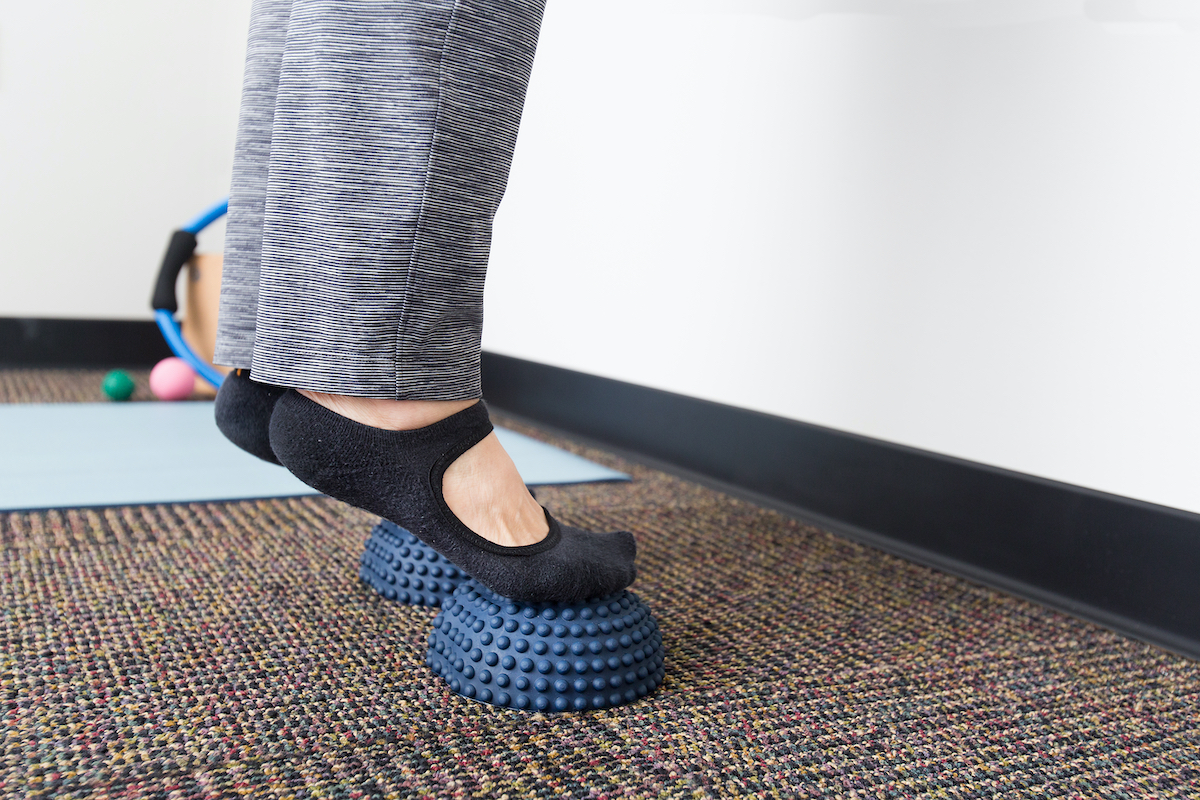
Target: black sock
pixel 243 411
pixel 398 475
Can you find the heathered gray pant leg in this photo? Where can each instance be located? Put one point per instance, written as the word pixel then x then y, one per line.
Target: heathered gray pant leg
pixel 393 132
pixel 248 192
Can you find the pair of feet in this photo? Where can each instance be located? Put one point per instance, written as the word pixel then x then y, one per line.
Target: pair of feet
pixel 435 468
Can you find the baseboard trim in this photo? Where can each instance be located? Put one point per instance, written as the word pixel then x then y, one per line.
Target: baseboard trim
pixel 1128 565
pixel 42 342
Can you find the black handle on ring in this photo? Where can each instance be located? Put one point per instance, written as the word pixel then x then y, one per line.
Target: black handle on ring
pixel 179 252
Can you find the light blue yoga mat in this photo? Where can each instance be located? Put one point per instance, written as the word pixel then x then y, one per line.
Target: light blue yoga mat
pixel 65 455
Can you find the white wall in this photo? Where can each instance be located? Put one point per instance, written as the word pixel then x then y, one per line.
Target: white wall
pixel 117 122
pixel 971 227
pixel 965 225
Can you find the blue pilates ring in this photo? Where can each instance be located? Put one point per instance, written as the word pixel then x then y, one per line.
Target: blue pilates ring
pixel 180 250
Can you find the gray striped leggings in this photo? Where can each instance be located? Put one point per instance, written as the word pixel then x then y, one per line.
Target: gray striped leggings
pixel 373 148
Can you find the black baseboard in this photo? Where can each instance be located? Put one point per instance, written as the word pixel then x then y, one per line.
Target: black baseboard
pixel 1129 565
pixel 31 342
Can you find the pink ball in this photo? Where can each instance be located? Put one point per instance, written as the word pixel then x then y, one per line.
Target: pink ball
pixel 172 379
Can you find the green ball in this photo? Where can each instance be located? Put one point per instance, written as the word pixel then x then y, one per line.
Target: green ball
pixel 118 385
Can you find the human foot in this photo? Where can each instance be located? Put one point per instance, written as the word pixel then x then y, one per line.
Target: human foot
pixel 400 475
pixel 482 487
pixel 243 412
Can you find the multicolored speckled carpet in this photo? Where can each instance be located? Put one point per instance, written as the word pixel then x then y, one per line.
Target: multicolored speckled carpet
pixel 229 649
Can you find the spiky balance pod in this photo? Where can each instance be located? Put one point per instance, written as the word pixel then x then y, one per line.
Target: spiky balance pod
pixel 546 656
pixel 401 567
pixel 535 656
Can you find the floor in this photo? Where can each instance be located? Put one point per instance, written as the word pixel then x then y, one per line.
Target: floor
pixel 228 649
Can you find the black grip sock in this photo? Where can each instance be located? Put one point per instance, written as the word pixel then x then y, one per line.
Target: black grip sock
pixel 243 411
pixel 398 475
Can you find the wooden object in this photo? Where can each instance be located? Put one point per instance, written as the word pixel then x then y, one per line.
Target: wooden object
pixel 199 323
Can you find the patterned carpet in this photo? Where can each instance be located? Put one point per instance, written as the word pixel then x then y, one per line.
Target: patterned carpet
pixel 228 649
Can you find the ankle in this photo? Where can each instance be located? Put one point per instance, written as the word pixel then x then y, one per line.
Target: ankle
pixel 394 415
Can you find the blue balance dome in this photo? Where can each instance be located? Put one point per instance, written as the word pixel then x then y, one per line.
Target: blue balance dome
pixel 546 656
pixel 401 567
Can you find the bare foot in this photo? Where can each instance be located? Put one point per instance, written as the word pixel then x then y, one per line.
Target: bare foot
pixel 482 487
